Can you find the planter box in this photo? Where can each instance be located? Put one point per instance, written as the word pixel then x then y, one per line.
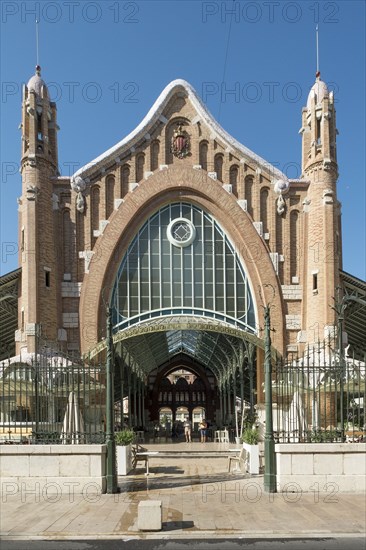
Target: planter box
pixel 252 458
pixel 124 459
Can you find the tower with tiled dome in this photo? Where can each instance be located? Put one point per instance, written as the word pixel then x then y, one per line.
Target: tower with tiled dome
pixel 322 220
pixel 37 237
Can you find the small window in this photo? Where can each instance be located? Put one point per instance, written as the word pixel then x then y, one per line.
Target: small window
pixel 47 278
pixel 315 282
pixel 318 131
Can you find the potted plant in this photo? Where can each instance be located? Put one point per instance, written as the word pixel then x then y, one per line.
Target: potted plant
pixel 250 440
pixel 124 440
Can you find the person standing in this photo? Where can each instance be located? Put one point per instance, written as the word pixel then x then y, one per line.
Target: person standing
pixel 188 430
pixel 203 430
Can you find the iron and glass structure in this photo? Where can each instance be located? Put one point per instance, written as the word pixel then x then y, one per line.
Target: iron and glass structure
pixel 182 263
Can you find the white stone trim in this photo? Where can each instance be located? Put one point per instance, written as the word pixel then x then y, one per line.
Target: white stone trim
pixel 228 188
pixel 70 320
pixel 243 203
pixel 117 203
pixel 132 186
pixel 292 348
pixel 292 292
pixel 293 322
pixel 62 335
pixel 87 255
pixel 102 225
pixel 70 290
pixel 259 228
pixel 274 258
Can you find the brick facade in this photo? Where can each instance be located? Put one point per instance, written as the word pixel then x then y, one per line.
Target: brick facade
pixel 75 231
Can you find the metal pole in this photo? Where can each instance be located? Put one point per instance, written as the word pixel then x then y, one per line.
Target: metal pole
pixel 110 441
pixel 341 365
pixel 36 379
pixel 269 446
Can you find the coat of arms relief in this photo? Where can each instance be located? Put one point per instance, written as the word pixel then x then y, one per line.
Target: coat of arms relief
pixel 180 144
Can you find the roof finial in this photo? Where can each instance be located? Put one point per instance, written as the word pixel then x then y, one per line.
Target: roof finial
pixel 317 52
pixel 37 44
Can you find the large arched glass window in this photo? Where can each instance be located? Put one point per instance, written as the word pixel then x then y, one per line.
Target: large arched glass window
pixel 182 263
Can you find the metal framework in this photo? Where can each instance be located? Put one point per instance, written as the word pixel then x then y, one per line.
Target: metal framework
pixel 182 263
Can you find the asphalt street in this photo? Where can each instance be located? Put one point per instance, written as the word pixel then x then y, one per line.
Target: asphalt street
pixel 218 543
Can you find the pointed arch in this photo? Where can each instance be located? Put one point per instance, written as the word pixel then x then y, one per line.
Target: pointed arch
pixel 182 262
pixel 294 240
pixel 263 205
pixel 203 155
pixel 233 177
pixel 248 189
pixel 109 195
pixel 125 180
pixel 155 150
pixel 163 187
pixel 140 164
pixel 95 204
pixel 219 166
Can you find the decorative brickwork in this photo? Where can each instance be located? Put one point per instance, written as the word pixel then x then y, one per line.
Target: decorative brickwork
pixel 78 233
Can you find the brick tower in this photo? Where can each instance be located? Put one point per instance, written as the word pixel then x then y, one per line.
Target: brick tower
pixel 322 229
pixel 38 297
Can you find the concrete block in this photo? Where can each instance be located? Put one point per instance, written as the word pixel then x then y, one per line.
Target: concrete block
pixel 328 464
pixel 343 484
pixel 302 464
pixel 97 466
pixel 149 515
pixel 43 465
pixel 10 467
pixel 73 466
pixel 283 464
pixel 354 464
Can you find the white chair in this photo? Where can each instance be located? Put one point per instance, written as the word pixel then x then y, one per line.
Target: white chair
pixel 217 438
pixel 224 436
pixel 238 459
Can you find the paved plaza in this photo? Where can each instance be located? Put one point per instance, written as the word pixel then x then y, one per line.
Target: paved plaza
pixel 200 499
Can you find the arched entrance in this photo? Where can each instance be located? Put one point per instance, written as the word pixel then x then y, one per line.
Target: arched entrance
pixel 182 389
pixel 182 298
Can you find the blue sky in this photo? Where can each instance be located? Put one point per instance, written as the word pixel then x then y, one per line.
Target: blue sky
pixel 106 63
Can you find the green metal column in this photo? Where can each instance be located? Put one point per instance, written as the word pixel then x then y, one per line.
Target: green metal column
pixel 224 409
pixel 129 393
pixel 228 399
pixel 341 365
pixel 135 419
pixel 269 445
pixel 139 391
pixel 221 406
pixel 143 404
pixel 122 373
pixel 110 441
pixel 251 349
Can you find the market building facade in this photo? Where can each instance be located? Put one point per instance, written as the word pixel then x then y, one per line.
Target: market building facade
pixel 186 234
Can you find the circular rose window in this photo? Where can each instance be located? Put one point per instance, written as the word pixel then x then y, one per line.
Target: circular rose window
pixel 181 232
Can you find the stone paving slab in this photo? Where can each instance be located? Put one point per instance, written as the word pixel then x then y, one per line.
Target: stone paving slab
pixel 198 497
